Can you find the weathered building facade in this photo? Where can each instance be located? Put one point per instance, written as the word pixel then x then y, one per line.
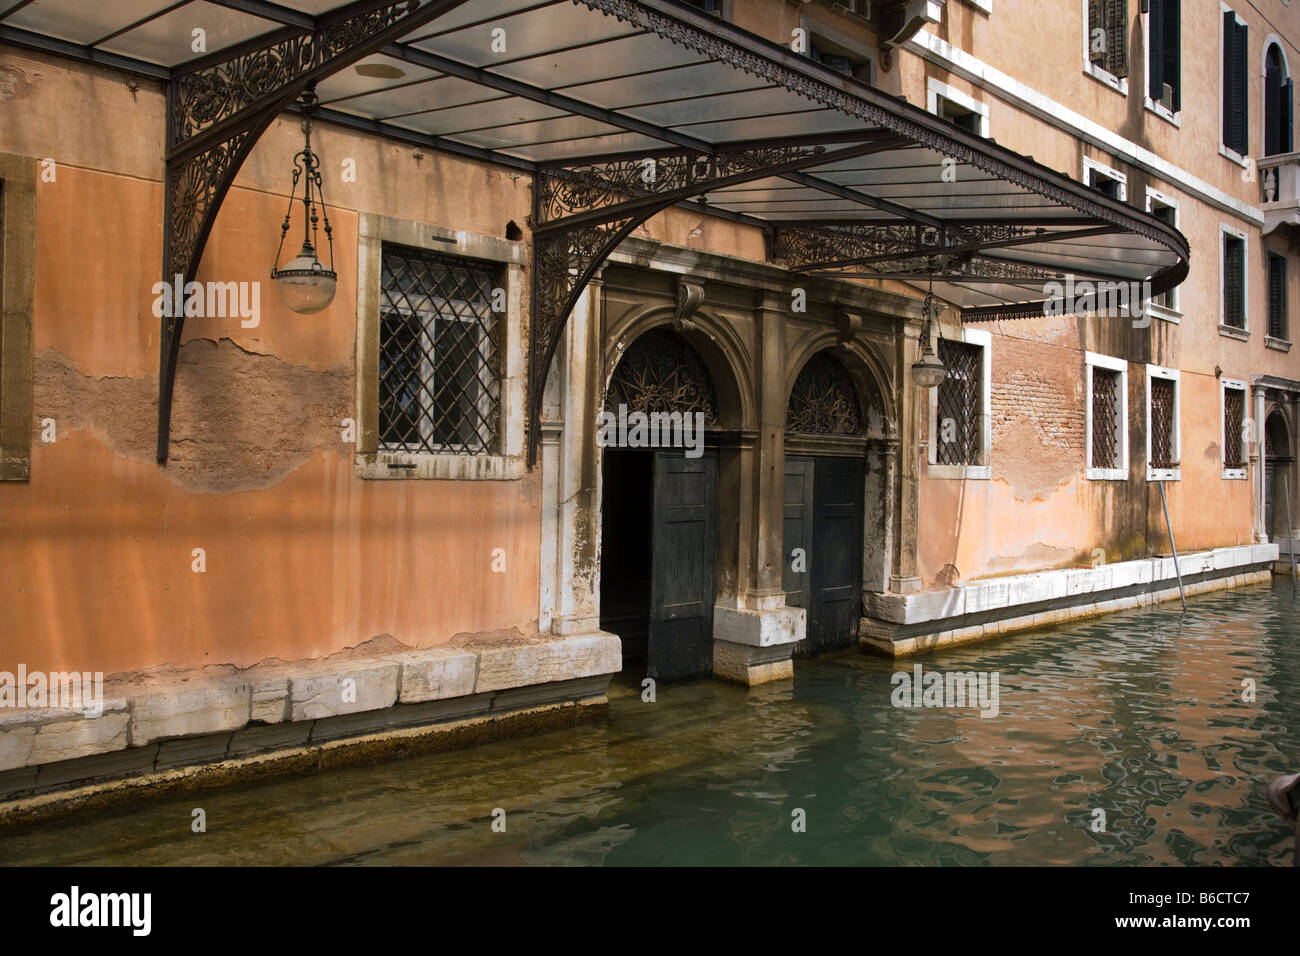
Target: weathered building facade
pixel 297 536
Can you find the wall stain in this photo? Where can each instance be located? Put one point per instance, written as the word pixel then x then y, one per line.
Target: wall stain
pixel 240 420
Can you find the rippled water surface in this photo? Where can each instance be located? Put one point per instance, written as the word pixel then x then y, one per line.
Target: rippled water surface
pixel 1139 714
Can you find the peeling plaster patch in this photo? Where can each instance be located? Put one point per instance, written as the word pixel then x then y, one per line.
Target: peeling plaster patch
pixel 1031 469
pixel 1036 557
pixel 1212 451
pixel 14 84
pixel 240 419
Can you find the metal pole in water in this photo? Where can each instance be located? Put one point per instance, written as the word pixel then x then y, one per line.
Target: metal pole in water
pixel 1290 548
pixel 1177 570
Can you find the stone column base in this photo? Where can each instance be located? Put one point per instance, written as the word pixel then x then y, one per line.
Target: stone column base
pixel 754 647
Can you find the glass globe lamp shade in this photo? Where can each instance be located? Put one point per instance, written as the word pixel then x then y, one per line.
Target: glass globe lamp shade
pixel 304 285
pixel 928 371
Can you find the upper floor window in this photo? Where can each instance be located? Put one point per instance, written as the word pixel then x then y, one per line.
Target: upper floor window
pixel 1279 104
pixel 1164 55
pixel 1236 129
pixel 1107 181
pixel 838 58
pixel 1277 317
pixel 1164 208
pixel 956 107
pixel 1233 304
pixel 1107 37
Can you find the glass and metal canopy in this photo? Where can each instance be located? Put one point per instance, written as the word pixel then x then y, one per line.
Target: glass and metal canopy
pixel 619 109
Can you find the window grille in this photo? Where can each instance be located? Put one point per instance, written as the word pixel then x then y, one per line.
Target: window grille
pixel 1163 394
pixel 1105 418
pixel 1234 410
pixel 960 402
pixel 439 354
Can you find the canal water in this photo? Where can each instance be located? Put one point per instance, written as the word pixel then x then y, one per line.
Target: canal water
pixel 1144 716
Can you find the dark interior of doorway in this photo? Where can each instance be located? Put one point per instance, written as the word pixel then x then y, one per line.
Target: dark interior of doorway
pixel 626 510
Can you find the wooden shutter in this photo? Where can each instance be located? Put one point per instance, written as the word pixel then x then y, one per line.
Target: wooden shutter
pixel 1156 50
pixel 1240 99
pixel 1272 110
pixel 1276 296
pixel 1232 282
pixel 1172 71
pixel 1288 116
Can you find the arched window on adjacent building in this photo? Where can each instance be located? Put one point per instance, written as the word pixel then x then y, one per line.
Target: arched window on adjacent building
pixel 1279 104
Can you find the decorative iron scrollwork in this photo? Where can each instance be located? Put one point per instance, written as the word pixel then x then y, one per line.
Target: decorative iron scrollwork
pixel 824 400
pixel 660 372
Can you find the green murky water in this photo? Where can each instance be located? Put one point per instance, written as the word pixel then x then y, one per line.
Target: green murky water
pixel 1137 714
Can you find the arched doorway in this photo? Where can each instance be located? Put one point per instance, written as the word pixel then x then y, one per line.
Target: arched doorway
pixel 1278 459
pixel 659 508
pixel 825 444
pixel 1279 104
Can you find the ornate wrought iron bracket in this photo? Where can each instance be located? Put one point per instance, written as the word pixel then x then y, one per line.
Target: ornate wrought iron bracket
pixel 218 106
pixel 582 212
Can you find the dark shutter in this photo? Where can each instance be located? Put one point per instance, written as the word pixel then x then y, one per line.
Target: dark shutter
pixel 1172 70
pixel 1288 116
pixel 1272 110
pixel 1233 251
pixel 1156 50
pixel 1277 296
pixel 1240 99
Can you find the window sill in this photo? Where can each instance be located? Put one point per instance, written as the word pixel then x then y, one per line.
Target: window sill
pixel 1106 78
pixel 973 472
pixel 1164 313
pixel 1233 155
pixel 1282 345
pixel 1232 332
pixel 1166 114
pixel 389 465
pixel 1106 474
pixel 1236 474
pixel 1164 474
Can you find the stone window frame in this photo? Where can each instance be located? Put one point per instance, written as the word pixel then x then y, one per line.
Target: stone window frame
pixel 984 470
pixel 1172 313
pixel 1173 375
pixel 1091 165
pixel 17 317
pixel 936 90
pixel 1101 75
pixel 509 462
pixel 815 29
pixel 1231 331
pixel 1095 360
pixel 1233 474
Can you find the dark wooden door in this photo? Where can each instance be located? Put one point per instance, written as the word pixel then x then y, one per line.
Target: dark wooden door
pixel 797 532
pixel 683 557
pixel 835 602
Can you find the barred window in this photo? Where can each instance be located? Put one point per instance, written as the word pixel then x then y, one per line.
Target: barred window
pixel 1277 318
pixel 960 401
pixel 1108 36
pixel 1164 409
pixel 1106 424
pixel 1234 281
pixel 1234 415
pixel 439 354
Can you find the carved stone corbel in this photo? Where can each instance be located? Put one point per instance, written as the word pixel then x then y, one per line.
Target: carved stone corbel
pixel 847 324
pixel 690 296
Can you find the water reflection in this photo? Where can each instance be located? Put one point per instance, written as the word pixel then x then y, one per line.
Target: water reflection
pixel 1139 715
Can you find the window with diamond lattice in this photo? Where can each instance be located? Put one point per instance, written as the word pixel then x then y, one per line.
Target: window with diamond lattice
pixel 823 400
pixel 1105 418
pixel 960 400
pixel 1163 398
pixel 1234 411
pixel 439 355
